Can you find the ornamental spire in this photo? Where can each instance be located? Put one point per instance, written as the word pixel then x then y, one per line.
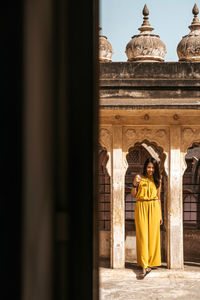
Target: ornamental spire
pixel 195 21
pixel 145 46
pixel 145 25
pixel 189 47
pixel 195 12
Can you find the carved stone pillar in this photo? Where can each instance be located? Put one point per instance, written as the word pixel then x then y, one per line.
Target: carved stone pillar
pixel 175 206
pixel 117 207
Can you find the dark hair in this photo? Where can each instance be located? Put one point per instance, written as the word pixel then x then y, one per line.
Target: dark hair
pixel 156 174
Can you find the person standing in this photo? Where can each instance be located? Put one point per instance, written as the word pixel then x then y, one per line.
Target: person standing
pixel 148 216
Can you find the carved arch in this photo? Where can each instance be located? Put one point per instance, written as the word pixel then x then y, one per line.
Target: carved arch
pixel 159 150
pixel 189 136
pixel 105 140
pixel 157 138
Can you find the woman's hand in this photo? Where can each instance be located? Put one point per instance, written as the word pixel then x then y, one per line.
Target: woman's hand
pixel 136 180
pixel 161 221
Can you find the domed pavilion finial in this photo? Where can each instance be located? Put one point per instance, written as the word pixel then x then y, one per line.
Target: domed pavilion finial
pixel 195 10
pixel 145 46
pixel 145 25
pixel 145 11
pixel 189 47
pixel 195 21
pixel 105 48
pixel 145 18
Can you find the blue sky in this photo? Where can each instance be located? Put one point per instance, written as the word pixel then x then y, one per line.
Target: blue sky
pixel 120 20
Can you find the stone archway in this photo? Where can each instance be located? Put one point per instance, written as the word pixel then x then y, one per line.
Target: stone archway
pixel 136 157
pixel 191 204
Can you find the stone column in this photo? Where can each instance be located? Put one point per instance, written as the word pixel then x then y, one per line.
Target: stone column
pixel 117 206
pixel 175 209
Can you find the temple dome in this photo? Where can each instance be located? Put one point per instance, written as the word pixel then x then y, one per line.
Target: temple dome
pixel 189 47
pixel 105 49
pixel 145 46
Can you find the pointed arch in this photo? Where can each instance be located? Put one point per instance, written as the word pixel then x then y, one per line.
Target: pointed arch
pixel 157 138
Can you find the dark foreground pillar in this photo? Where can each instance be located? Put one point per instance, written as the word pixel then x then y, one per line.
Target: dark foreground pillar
pixel 49 152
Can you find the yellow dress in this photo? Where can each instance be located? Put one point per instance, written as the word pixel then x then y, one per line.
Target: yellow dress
pixel 147 221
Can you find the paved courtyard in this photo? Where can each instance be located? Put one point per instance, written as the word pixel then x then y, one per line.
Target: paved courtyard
pixel 161 283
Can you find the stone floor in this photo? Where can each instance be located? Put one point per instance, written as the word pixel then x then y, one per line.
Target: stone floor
pixel 161 283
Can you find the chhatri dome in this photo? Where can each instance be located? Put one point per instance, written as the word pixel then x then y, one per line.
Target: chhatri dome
pixel 105 48
pixel 146 46
pixel 189 47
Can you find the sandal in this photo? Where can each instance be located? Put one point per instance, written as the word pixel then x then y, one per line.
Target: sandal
pixel 143 274
pixel 145 271
pixel 148 270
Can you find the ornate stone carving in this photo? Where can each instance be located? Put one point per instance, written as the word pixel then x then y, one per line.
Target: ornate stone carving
pixel 146 132
pixel 189 47
pixel 176 117
pixel 189 136
pixel 145 46
pixel 105 139
pixel 130 133
pixel 139 134
pixel 146 117
pixel 105 49
pixel 158 138
pixel 161 133
pixel 188 133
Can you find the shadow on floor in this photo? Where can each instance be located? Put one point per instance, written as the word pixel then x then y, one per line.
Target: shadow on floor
pixel 138 270
pixel 105 263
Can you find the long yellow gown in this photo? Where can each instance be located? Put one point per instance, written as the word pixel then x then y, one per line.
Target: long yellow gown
pixel 147 221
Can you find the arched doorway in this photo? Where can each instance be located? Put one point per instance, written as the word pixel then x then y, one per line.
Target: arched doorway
pixel 135 159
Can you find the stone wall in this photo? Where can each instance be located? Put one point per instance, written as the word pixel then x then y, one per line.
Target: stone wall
pixel 191 245
pixel 166 85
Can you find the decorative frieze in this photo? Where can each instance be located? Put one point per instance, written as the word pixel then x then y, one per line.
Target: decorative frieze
pixel 139 134
pixel 189 135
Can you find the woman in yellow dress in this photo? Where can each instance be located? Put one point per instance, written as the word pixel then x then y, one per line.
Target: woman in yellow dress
pixel 148 216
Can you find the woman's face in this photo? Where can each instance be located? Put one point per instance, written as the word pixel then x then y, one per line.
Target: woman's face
pixel 150 168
